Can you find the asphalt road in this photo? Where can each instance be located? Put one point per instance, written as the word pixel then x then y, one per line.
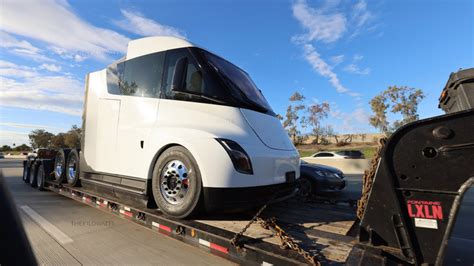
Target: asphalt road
pixel 91 236
pixel 62 231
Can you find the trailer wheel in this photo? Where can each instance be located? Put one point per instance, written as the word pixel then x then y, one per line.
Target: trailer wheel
pixel 41 177
pixel 34 174
pixel 26 171
pixel 60 165
pixel 72 169
pixel 176 183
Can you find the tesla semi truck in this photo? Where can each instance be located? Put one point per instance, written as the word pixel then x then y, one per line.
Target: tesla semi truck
pixel 184 128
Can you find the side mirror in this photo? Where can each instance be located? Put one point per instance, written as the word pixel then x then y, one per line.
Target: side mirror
pixel 179 74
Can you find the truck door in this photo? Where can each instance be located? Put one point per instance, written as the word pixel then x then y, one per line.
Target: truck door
pixel 140 86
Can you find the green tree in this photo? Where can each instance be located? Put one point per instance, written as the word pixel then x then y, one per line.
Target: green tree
pixel 40 138
pixel 5 148
pixel 22 147
pixel 72 138
pixel 57 141
pixel 315 113
pixel 293 117
pixel 401 100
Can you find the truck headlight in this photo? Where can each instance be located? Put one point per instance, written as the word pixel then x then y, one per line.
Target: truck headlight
pixel 239 157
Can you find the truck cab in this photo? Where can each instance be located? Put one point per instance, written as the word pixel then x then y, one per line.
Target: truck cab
pixel 184 127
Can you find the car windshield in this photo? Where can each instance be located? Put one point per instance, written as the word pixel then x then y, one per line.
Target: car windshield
pixel 239 80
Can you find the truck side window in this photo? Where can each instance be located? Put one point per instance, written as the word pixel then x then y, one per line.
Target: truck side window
pixel 141 76
pixel 196 81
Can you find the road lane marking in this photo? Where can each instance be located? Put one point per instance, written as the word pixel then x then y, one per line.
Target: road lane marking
pixel 47 226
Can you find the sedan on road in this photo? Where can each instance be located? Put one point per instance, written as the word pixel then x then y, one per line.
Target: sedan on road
pixel 316 177
pixel 342 154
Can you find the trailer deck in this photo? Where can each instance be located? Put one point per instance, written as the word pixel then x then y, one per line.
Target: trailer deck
pixel 321 229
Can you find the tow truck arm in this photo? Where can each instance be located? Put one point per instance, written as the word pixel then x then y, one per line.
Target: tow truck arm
pixel 424 171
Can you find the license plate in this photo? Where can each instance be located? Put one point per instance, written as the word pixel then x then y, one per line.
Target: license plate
pixel 290 177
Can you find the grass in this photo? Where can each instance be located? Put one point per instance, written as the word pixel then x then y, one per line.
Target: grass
pixel 368 149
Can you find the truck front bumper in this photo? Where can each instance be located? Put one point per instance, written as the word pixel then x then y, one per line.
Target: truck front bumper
pixel 238 199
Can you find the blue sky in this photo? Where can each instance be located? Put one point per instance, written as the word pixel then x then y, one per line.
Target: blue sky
pixel 342 52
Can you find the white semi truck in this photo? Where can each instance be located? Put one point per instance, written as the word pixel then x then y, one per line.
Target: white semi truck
pixel 174 124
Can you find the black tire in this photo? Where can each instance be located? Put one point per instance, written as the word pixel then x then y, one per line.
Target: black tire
pixel 187 183
pixel 305 187
pixel 60 165
pixel 26 171
pixel 40 178
pixel 34 174
pixel 72 169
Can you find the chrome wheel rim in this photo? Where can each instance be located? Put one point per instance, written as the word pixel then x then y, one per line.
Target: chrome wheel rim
pixel 174 182
pixel 71 169
pixel 24 173
pixel 59 167
pixel 39 180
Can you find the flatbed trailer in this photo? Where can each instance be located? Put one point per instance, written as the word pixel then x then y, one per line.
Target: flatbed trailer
pixel 319 228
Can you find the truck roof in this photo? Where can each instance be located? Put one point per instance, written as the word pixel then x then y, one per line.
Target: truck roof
pixel 154 44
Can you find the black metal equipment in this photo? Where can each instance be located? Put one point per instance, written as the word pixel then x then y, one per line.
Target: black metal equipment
pixel 424 171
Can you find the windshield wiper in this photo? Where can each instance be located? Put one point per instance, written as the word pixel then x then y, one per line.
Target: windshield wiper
pixel 199 95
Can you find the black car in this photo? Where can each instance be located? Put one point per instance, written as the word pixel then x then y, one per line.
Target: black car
pixel 317 177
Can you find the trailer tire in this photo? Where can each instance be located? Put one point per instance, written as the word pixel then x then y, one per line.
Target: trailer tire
pixel 26 171
pixel 176 183
pixel 72 169
pixel 41 177
pixel 34 174
pixel 60 165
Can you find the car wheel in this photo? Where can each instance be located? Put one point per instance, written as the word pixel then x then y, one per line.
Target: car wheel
pixel 305 187
pixel 176 183
pixel 26 172
pixel 72 169
pixel 40 178
pixel 60 165
pixel 33 174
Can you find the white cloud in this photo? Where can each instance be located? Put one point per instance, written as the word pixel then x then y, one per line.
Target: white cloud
pixel 29 126
pixel 21 48
pixel 23 87
pixel 51 67
pixel 136 23
pixel 320 26
pixel 54 23
pixel 361 16
pixel 321 67
pixel 13 137
pixel 357 57
pixel 356 121
pixel 354 69
pixel 336 60
pixel 10 69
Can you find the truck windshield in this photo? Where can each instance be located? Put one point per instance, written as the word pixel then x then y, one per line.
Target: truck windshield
pixel 239 81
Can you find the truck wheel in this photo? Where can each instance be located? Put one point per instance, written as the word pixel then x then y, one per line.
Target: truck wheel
pixel 176 183
pixel 26 172
pixel 33 174
pixel 41 177
pixel 305 187
pixel 72 173
pixel 60 165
